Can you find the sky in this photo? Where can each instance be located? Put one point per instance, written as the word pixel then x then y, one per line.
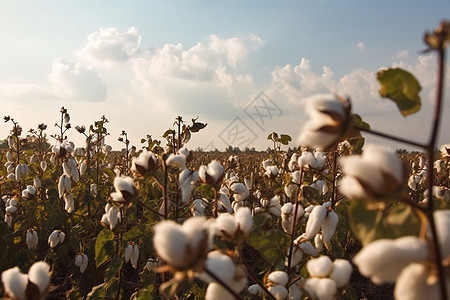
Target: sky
pixel 246 68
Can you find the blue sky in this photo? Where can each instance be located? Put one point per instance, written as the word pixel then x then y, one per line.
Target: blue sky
pixel 142 63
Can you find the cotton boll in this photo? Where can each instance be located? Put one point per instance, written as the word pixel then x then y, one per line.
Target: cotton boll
pixel 384 259
pixel 170 241
pixel 308 248
pixel 215 291
pixel 243 218
pixel 255 289
pixel 296 256
pixel 414 284
pixel 318 242
pixel 32 239
pixel 177 161
pixel 15 283
pixel 241 191
pixel 329 226
pixel 279 292
pixel 442 221
pixel 320 267
pixel 224 201
pixel 278 277
pixel 326 289
pixel 315 220
pixel 221 265
pixel 226 224
pixel 341 273
pixel 39 274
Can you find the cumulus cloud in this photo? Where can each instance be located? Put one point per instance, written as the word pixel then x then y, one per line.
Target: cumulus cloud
pixel 361 46
pixel 108 45
pixel 71 80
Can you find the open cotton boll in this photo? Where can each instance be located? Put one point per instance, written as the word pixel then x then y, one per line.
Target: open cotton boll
pixel 320 267
pixel 243 218
pixel 326 289
pixel 278 277
pixel 39 274
pixel 414 284
pixel 342 270
pixel 215 291
pixel 32 239
pixel 329 226
pixel 194 230
pixel 318 242
pixel 308 248
pixel 241 191
pixel 224 201
pixel 384 259
pixel 442 220
pixel 15 283
pixel 170 241
pixel 177 161
pixel 225 224
pixel 279 292
pixel 220 265
pixel 315 220
pixel 255 289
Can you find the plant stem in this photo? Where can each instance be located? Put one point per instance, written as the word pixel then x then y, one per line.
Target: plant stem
pixel 391 137
pixel 333 189
pixel 430 149
pixel 294 222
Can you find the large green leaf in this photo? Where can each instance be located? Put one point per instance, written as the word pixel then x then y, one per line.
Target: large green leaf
pixel 133 234
pixel 370 221
pixel 101 246
pixel 272 245
pixel 401 87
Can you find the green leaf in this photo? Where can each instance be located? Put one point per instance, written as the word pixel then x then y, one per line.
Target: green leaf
pixel 285 139
pixel 369 221
pixel 101 246
pixel 144 293
pixel 197 126
pixel 272 245
pixel 133 234
pixel 401 87
pixel 113 268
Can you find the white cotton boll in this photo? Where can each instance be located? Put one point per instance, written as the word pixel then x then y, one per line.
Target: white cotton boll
pixel 438 164
pixel 296 177
pixel 309 209
pixel 243 218
pixel 442 221
pixel 318 242
pixel 8 219
pixel 215 170
pixel 128 252
pixel 32 239
pixel 421 162
pixel 308 248
pixel 248 183
pixel 9 155
pixel 295 292
pixel 275 206
pixel 124 183
pixel 61 236
pixel 39 274
pixel 414 284
pixel 113 217
pixel 296 256
pixel 11 176
pixel 255 290
pixel 220 265
pixel 226 224
pixel 351 188
pixel 69 203
pixel 33 159
pixel 15 283
pixel 225 202
pixel 134 256
pixel 412 182
pixel 320 267
pixel 315 220
pixel 176 161
pixel 384 259
pixel 105 220
pixel 293 162
pixel 78 260
pixel 291 190
pixel 279 292
pixel 11 209
pixel 170 243
pixel 342 270
pixel 305 159
pixel 326 289
pixel 43 165
pixel 185 152
pixel 279 277
pixel 215 291
pixel 241 191
pixel 329 226
pixel 83 168
pixel 84 263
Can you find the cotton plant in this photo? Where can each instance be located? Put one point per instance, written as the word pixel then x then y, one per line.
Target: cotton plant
pixel 56 237
pixel 31 239
pixel 33 285
pixel 187 180
pixel 125 189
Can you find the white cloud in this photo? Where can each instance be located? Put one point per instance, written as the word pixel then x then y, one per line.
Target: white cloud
pixel 402 55
pixel 361 46
pixel 71 80
pixel 110 45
